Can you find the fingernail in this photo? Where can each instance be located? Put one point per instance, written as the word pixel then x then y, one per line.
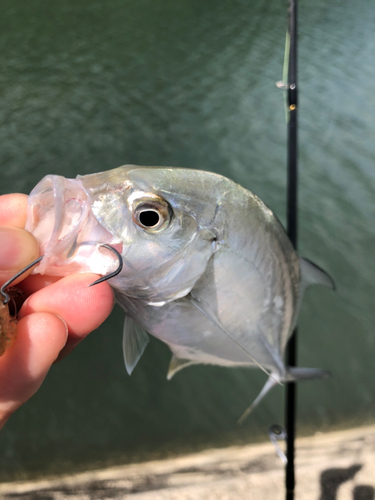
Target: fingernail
pixel 64 351
pixel 66 326
pixel 17 248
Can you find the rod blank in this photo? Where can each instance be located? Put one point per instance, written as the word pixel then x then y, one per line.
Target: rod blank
pixel 292 230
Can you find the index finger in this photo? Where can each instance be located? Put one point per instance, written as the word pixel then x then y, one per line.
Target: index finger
pixel 13 210
pixel 18 247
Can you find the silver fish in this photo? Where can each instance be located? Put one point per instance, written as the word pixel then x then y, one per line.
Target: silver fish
pixel 208 268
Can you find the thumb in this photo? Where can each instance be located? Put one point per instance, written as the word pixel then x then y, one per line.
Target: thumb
pixel 17 249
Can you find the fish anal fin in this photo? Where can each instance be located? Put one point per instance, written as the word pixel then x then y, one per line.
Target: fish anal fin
pixel 314 275
pixel 178 364
pixel 134 342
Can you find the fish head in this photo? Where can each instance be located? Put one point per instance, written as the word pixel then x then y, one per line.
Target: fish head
pixel 162 220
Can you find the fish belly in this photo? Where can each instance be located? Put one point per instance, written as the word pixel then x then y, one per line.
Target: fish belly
pixel 234 316
pixel 192 335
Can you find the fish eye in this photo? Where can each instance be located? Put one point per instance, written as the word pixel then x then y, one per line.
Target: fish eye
pixel 149 218
pixel 151 213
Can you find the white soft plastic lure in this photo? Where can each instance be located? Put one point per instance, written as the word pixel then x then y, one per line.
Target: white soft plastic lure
pixel 208 268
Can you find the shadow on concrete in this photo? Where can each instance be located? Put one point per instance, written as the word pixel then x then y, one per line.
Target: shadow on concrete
pixel 363 492
pixel 332 479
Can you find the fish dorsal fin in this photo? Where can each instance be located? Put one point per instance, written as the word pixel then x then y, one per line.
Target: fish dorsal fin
pixel 134 343
pixel 178 364
pixel 314 275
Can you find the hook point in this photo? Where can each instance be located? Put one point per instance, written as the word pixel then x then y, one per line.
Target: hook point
pixel 115 273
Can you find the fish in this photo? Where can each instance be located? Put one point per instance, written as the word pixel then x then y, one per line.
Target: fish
pixel 207 267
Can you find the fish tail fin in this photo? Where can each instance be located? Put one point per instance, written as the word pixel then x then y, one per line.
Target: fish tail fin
pixel 294 374
pixel 272 380
pixel 315 275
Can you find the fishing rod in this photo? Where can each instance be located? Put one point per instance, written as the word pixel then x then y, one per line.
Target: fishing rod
pixel 292 210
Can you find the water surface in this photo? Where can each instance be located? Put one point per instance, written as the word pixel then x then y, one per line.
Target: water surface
pixel 91 85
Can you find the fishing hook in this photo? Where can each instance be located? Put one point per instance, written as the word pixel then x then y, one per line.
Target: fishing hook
pixel 118 270
pixel 276 433
pixel 36 261
pixel 9 282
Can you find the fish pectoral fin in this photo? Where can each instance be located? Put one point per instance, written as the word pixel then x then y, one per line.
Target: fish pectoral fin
pixel 294 374
pixel 272 380
pixel 178 364
pixel 134 342
pixel 314 275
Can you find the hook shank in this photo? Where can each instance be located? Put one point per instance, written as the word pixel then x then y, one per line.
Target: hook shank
pixel 13 278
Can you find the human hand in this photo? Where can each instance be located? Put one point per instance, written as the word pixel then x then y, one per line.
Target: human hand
pixel 57 314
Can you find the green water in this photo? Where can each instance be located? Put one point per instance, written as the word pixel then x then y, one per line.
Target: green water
pixel 91 85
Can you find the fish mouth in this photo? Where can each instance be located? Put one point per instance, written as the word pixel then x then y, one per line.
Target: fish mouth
pixel 60 217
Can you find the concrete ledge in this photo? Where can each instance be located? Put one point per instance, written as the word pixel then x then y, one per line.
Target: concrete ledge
pixel 332 466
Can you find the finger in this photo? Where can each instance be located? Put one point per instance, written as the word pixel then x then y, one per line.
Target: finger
pixel 13 210
pixel 83 308
pixel 35 282
pixel 18 248
pixel 23 367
